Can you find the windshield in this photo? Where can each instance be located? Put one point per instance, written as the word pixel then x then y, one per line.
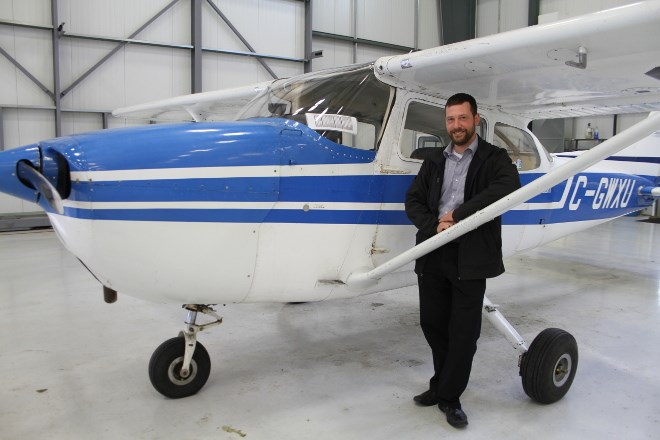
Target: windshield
pixel 347 105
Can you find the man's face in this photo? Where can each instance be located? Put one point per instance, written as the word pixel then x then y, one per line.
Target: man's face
pixel 461 123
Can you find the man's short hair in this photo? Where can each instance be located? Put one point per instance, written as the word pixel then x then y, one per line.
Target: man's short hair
pixel 460 98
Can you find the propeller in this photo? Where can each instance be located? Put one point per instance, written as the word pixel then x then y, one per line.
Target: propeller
pixel 32 178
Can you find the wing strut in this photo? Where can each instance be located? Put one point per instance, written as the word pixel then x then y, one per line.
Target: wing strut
pixel 363 278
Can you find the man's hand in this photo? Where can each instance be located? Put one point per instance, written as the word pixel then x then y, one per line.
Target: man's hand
pixel 446 221
pixel 444 225
pixel 448 217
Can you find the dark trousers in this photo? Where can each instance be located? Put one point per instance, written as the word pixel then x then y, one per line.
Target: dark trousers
pixel 450 317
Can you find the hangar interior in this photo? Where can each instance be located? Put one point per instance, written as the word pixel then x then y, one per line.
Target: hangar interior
pixel 76 368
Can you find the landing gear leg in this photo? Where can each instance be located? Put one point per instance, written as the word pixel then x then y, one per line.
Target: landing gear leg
pixel 548 366
pixel 180 366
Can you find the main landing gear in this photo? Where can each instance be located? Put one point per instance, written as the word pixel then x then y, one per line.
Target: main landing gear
pixel 548 366
pixel 180 366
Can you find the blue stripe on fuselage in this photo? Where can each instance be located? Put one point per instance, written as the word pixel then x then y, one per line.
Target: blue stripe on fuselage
pixel 590 197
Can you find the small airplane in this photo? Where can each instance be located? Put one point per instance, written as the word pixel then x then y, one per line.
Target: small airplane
pixel 299 197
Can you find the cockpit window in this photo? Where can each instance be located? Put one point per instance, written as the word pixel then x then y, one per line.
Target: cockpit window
pixel 519 144
pixel 347 105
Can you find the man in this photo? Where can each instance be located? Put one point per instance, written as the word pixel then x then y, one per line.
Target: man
pixel 452 184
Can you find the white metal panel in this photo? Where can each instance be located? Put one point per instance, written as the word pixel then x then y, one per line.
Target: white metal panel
pixel 388 21
pixel 8 72
pixel 116 18
pixel 366 54
pixel 281 28
pixel 335 53
pixel 487 22
pixel 514 15
pixel 94 17
pixel 121 18
pixel 151 75
pixel 35 55
pixel 172 27
pixel 495 16
pixel 121 122
pixel 568 8
pixel 73 123
pixel 26 11
pixel 333 16
pixel 26 126
pixel 273 27
pixel 104 88
pixel 628 120
pixel 243 15
pixel 216 34
pixel 283 69
pixel 226 71
pixel 22 127
pixel 429 24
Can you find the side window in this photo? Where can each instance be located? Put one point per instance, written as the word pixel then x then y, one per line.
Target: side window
pixel 519 144
pixel 365 139
pixel 424 128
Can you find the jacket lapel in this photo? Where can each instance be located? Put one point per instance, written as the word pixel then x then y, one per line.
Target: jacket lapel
pixel 475 164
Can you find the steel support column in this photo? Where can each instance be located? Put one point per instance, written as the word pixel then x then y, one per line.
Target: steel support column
pixel 240 37
pixel 308 36
pixel 458 20
pixel 196 41
pixel 117 48
pixel 416 37
pixel 440 26
pixel 534 11
pixel 57 97
pixel 355 32
pixel 2 130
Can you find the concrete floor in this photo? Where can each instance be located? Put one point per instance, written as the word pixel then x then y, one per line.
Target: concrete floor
pixel 76 368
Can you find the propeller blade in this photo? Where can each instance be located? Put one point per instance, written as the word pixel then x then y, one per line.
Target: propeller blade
pixel 31 177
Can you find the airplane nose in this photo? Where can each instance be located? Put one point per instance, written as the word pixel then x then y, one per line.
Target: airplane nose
pixel 36 174
pixel 9 181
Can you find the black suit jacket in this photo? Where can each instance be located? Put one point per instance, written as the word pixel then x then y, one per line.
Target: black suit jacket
pixel 490 177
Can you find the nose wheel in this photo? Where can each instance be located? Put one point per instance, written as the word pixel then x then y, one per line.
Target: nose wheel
pixel 181 366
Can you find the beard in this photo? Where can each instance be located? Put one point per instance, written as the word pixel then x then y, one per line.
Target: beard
pixel 461 136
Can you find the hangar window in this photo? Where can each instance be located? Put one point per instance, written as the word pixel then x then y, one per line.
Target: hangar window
pixel 345 105
pixel 519 144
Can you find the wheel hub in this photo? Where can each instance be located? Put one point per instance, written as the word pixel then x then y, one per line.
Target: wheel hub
pixel 562 370
pixel 174 372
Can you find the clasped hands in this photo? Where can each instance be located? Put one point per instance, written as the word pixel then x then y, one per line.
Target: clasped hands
pixel 446 221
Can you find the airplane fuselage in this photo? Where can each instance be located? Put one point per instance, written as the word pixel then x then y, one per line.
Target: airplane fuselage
pixel 265 209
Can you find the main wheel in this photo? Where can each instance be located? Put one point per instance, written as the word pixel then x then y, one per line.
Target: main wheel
pixel 165 369
pixel 549 366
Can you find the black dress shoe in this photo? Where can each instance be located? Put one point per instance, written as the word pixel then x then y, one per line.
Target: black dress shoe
pixel 455 416
pixel 427 398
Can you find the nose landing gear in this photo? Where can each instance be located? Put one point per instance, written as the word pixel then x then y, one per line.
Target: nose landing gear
pixel 180 366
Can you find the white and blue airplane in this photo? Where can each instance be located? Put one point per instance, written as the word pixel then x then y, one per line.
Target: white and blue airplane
pixel 293 190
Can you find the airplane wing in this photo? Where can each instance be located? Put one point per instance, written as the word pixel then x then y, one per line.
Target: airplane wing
pixel 535 72
pixel 220 105
pixel 602 63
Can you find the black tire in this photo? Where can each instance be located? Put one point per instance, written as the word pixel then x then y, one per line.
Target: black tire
pixel 548 368
pixel 165 368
